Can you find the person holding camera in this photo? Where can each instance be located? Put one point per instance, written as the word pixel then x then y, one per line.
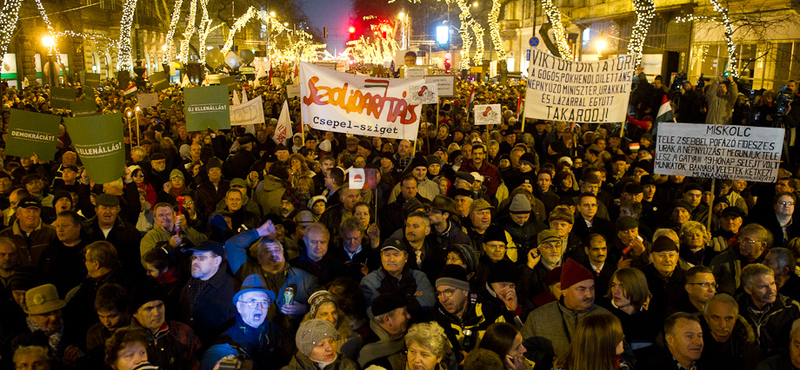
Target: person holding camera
pixel 721 98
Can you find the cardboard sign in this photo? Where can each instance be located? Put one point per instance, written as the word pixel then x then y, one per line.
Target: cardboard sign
pixel 719 152
pixel 446 84
pixel 99 143
pixel 488 114
pixel 148 100
pixel 293 91
pixel 207 108
pixel 83 108
pixel 342 102
pixel 249 113
pixel 415 72
pixel 32 133
pixel 585 92
pixel 61 98
pixel 423 94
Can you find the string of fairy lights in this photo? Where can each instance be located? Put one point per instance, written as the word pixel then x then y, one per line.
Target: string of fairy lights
pixel 645 11
pixel 725 21
pixel 554 16
pixel 54 48
pixel 494 30
pixel 173 25
pixel 8 23
pixel 124 61
pixel 375 50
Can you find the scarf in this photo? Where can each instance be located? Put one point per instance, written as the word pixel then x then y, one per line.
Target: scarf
pixel 53 335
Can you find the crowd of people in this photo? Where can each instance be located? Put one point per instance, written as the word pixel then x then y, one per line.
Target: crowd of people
pixel 526 245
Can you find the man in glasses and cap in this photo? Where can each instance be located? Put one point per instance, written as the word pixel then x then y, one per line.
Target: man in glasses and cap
pixel 265 343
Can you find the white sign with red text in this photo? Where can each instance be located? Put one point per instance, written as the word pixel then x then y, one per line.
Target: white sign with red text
pixel 360 105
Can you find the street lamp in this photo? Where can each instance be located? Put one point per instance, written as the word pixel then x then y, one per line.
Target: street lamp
pixel 406 37
pixel 49 42
pixel 600 44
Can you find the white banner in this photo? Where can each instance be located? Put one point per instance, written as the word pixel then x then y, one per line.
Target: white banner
pixel 720 152
pixel 584 92
pixel 341 102
pixel 488 114
pixel 427 93
pixel 248 113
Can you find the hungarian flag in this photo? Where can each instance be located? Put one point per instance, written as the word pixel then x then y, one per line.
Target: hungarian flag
pixel 130 90
pixel 284 129
pixel 471 98
pixel 665 111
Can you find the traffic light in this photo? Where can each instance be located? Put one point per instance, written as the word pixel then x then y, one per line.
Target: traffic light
pixel 447 63
pixel 352 31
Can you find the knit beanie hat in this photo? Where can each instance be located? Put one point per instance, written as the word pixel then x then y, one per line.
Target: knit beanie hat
pixel 467 256
pixel 319 298
pixel 520 204
pixel 455 276
pixel 312 332
pixel 144 293
pixel 573 273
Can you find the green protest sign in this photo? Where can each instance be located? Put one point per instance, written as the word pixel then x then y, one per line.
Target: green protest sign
pixel 207 107
pixel 83 108
pixel 30 133
pixel 160 80
pixel 167 103
pixel 228 81
pixel 60 98
pixel 98 142
pixel 91 80
pixel 89 94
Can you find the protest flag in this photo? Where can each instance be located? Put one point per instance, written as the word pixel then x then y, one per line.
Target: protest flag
pixel 363 178
pixel 665 111
pixel 284 129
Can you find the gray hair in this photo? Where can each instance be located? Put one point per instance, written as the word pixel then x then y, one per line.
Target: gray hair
pixel 428 335
pixel 39 351
pixel 722 298
pixel 690 226
pixel 666 232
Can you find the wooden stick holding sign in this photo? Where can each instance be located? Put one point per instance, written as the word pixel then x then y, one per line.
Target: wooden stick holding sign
pixel 711 206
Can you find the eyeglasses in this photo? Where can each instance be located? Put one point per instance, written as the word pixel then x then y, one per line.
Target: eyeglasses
pixel 706 285
pixel 254 304
pixel 446 293
pixel 748 241
pixel 786 204
pixel 549 246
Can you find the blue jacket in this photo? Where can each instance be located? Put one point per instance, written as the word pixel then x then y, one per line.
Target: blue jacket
pixel 243 265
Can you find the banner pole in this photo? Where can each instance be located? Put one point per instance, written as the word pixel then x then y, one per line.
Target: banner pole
pixel 437 120
pixel 523 125
pixel 711 206
pixel 130 131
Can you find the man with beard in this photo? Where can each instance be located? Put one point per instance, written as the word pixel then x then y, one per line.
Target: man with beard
pixel 548 328
pixel 462 314
pixel 264 343
pixel 159 174
pixel 269 262
pixel 764 308
pixel 106 225
pixel 207 295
